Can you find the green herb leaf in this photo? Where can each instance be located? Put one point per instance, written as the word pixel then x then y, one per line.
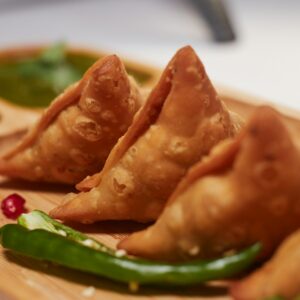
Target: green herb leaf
pixel 51 68
pixel 54 55
pixel 62 76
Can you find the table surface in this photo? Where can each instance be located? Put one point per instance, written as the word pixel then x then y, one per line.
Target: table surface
pixel 23 278
pixel 264 61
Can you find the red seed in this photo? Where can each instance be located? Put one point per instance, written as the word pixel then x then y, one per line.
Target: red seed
pixel 13 206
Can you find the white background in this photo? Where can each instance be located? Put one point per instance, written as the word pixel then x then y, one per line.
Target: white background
pixel 264 61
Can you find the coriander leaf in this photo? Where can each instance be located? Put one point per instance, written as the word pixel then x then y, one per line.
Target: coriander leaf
pixel 54 55
pixel 62 76
pixel 51 68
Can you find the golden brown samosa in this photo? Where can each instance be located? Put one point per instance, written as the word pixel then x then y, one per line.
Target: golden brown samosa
pixel 278 277
pixel 75 134
pixel 246 191
pixel 181 121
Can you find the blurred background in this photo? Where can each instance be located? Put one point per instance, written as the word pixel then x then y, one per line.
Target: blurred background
pixel 261 55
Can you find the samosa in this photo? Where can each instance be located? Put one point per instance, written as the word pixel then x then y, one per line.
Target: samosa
pixel 279 277
pixel 74 136
pixel 246 191
pixel 181 121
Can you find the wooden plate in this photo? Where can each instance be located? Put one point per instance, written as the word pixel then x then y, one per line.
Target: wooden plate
pixel 23 278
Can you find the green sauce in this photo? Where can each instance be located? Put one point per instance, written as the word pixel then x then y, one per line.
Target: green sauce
pixel 27 83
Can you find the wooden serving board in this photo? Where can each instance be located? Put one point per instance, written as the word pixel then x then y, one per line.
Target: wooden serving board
pixel 23 278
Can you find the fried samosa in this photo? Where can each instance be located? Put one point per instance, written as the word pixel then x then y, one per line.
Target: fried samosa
pixel 76 133
pixel 278 277
pixel 181 121
pixel 246 191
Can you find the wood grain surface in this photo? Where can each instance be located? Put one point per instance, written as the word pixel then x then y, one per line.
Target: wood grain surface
pixel 24 278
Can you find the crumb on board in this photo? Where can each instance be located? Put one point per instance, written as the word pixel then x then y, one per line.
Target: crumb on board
pixel 88 292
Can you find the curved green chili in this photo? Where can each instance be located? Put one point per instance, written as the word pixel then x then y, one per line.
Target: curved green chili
pixel 37 219
pixel 282 298
pixel 44 245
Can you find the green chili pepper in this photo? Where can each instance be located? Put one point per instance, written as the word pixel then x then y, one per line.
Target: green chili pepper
pixel 39 220
pixel 44 245
pixel 69 249
pixel 282 298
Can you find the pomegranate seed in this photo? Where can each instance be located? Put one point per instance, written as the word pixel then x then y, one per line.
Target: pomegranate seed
pixel 13 206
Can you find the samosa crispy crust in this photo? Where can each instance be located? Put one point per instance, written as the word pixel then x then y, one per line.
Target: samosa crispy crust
pixel 181 121
pixel 76 133
pixel 246 191
pixel 278 277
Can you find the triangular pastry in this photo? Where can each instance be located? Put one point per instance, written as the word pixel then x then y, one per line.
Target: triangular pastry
pixel 76 133
pixel 246 191
pixel 278 277
pixel 181 121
